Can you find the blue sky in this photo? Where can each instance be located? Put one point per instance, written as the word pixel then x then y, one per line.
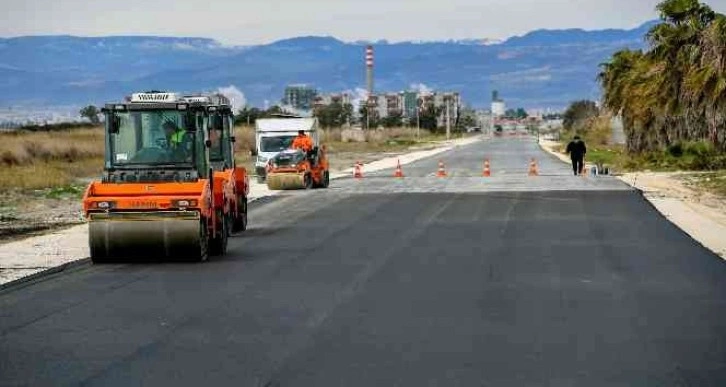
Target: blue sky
pixel 262 21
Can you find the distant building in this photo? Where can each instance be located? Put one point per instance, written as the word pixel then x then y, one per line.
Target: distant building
pixel 410 99
pixel 329 99
pixel 499 108
pixel 300 97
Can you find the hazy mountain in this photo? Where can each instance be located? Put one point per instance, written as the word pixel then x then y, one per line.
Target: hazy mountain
pixel 541 68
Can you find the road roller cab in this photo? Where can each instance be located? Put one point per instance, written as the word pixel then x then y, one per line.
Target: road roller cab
pixel 166 191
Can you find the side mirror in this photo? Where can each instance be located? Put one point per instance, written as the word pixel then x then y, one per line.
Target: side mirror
pixel 253 152
pixel 232 139
pixel 208 143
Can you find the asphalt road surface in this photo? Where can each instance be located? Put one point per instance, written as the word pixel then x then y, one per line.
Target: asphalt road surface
pixel 560 281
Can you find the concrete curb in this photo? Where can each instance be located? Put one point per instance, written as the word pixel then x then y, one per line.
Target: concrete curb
pixel 35 277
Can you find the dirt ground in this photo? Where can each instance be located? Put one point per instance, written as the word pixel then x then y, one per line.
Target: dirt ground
pixel 684 186
pixel 32 213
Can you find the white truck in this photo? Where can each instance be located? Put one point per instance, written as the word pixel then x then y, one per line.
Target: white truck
pixel 274 135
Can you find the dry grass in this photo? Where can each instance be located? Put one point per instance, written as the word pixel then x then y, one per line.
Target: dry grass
pixel 36 160
pixel 25 148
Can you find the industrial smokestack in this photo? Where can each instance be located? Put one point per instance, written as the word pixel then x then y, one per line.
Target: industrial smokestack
pixel 369 69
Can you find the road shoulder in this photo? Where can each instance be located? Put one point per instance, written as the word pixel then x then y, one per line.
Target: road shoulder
pixel 698 214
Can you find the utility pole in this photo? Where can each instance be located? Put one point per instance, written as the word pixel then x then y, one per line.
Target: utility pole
pixel 418 122
pixel 448 121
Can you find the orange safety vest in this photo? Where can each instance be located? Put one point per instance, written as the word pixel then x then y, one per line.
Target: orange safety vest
pixel 302 142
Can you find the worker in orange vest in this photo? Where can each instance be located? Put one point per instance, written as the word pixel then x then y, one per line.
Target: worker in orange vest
pixel 302 141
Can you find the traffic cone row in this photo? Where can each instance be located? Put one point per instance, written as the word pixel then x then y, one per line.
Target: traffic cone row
pixel 441 171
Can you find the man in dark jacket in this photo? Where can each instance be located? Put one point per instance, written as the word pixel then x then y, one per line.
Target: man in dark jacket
pixel 577 150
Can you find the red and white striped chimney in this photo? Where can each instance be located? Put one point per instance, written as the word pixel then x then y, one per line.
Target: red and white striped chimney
pixel 369 69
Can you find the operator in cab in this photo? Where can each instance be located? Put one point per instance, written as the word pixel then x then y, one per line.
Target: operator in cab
pixel 302 141
pixel 177 140
pixel 174 134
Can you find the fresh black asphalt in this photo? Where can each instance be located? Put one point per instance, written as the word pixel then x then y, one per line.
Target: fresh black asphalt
pixel 338 288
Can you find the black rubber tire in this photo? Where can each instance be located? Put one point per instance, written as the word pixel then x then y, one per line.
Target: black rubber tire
pixel 240 220
pixel 326 180
pixel 99 258
pixel 218 244
pixel 203 254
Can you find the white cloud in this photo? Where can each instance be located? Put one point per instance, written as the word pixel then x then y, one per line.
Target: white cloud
pixel 421 88
pixel 236 96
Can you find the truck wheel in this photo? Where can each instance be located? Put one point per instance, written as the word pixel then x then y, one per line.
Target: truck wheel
pixel 240 221
pixel 218 243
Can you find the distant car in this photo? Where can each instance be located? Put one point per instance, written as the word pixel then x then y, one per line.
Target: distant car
pixel 473 129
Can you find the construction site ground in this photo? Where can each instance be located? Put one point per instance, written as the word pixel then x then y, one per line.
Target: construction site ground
pixel 506 280
pixel 45 229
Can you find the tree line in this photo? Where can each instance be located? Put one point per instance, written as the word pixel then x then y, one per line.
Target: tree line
pixel 674 91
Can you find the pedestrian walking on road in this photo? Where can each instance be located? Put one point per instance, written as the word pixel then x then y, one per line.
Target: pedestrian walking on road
pixel 577 150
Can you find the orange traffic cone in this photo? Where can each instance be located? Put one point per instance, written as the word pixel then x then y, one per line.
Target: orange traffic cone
pixel 399 171
pixel 358 171
pixel 442 171
pixel 487 172
pixel 533 167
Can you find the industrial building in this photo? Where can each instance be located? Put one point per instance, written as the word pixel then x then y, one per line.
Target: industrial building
pixel 300 97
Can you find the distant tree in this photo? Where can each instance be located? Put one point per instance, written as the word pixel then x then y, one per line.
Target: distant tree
pixel 248 115
pixel 334 115
pixel 578 115
pixel 393 121
pixel 368 120
pixel 467 118
pixel 429 117
pixel 518 113
pixel 91 112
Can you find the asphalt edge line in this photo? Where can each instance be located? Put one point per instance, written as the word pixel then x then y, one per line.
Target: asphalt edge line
pixel 44 274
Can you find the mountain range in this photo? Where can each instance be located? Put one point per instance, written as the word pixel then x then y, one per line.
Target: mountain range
pixel 544 68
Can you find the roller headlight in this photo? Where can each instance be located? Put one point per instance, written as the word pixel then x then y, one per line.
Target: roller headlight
pixel 104 205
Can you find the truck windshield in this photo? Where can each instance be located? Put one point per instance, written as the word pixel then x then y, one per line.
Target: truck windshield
pixel 275 144
pixel 152 138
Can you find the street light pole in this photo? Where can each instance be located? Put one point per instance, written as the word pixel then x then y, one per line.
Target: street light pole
pixel 418 122
pixel 448 121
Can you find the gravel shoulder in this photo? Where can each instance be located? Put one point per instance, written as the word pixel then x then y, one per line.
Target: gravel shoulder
pixel 677 196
